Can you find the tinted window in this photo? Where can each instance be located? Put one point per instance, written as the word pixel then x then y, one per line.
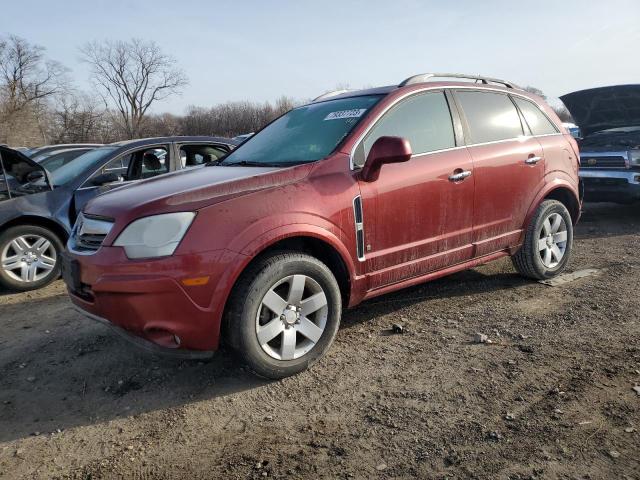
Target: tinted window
pixel 304 134
pixel 423 119
pixel 491 116
pixel 537 121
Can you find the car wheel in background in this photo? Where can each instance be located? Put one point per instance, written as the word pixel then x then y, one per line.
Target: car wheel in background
pixel 283 314
pixel 547 243
pixel 29 257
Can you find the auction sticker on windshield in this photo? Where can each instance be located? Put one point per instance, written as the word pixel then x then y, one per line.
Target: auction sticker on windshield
pixel 339 115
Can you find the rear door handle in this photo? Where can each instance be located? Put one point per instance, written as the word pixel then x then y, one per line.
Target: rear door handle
pixel 532 160
pixel 456 177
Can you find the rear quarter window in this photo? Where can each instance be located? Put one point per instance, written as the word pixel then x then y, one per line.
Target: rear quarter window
pixel 537 121
pixel 491 117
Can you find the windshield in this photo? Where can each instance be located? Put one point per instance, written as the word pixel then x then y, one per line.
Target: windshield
pixel 304 134
pixel 75 167
pixel 53 161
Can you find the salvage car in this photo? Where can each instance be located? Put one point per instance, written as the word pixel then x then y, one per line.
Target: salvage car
pixel 609 119
pixel 39 205
pixel 349 197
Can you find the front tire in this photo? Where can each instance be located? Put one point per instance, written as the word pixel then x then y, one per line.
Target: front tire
pixel 283 314
pixel 547 243
pixel 29 257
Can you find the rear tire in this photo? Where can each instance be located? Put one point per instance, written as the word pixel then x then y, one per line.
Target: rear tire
pixel 547 243
pixel 298 325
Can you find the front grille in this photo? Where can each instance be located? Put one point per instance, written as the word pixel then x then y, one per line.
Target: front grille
pixel 89 241
pixel 592 161
pixel 89 233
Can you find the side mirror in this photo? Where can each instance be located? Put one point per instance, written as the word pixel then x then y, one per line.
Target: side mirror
pixel 385 150
pixel 35 176
pixel 105 178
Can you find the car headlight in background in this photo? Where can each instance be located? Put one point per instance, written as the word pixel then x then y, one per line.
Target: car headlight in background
pixel 154 236
pixel 634 158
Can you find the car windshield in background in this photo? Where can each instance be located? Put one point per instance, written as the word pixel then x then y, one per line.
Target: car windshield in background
pixel 75 167
pixel 304 134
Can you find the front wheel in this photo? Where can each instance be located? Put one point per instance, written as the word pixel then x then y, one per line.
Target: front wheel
pixel 547 243
pixel 29 257
pixel 284 314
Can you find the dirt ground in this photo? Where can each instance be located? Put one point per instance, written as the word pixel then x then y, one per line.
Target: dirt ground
pixel 551 397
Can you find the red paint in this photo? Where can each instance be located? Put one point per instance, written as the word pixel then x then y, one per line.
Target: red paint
pixel 418 224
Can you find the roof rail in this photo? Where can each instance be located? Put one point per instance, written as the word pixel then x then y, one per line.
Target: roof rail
pixel 423 77
pixel 330 94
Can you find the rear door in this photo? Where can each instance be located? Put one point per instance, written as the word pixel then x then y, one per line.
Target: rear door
pixel 416 218
pixel 508 167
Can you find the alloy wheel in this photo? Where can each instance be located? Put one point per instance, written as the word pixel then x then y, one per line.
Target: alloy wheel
pixel 292 317
pixel 28 258
pixel 552 240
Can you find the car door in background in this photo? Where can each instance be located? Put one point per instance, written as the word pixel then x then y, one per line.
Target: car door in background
pixel 417 215
pixel 508 168
pixel 133 166
pixel 194 154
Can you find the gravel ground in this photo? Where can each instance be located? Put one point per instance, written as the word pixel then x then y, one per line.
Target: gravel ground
pixel 550 397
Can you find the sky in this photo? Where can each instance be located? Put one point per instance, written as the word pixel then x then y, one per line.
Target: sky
pixel 260 50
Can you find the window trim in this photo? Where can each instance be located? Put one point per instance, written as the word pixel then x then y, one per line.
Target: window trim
pixel 356 144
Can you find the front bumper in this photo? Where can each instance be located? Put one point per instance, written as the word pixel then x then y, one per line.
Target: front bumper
pixel 611 185
pixel 147 299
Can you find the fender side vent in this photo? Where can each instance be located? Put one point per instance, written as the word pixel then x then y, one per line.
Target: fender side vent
pixel 357 214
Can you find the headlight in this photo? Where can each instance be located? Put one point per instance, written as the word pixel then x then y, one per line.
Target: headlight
pixel 634 158
pixel 154 236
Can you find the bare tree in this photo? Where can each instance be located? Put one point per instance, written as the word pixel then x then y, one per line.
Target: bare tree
pixel 131 76
pixel 27 81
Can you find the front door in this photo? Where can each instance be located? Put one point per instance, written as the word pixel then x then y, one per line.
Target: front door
pixel 130 167
pixel 417 215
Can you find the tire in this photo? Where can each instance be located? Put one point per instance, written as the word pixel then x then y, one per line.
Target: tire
pixel 537 258
pixel 282 274
pixel 29 257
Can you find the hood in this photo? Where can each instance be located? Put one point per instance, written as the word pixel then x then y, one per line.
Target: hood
pixel 603 108
pixel 15 171
pixel 190 190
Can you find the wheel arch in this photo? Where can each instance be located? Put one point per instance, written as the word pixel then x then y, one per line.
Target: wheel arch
pixel 568 198
pixel 308 241
pixel 24 220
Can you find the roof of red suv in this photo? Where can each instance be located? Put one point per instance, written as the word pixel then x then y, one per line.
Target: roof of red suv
pixel 427 78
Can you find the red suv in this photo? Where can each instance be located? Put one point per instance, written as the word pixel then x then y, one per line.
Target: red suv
pixel 354 195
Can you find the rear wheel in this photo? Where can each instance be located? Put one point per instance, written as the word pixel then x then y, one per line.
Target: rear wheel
pixel 547 244
pixel 29 257
pixel 284 314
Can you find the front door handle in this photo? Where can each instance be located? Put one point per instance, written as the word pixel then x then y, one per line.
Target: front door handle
pixel 460 175
pixel 532 160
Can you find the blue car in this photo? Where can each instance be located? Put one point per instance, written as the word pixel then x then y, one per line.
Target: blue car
pixel 38 207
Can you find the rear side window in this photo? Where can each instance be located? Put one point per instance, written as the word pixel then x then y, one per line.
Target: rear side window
pixel 537 121
pixel 423 119
pixel 491 116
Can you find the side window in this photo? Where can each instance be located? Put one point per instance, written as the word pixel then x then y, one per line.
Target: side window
pixel 423 119
pixel 114 167
pixel 149 163
pixel 192 155
pixel 491 116
pixel 537 121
